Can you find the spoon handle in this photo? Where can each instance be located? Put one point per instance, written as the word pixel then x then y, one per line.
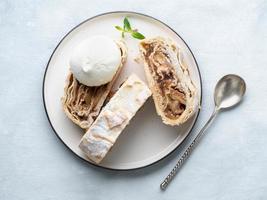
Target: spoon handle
pixel 188 151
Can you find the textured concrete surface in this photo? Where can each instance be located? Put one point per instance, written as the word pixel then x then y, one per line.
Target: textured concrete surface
pixel 231 161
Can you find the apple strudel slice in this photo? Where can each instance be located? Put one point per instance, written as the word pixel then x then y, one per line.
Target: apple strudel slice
pixel 174 93
pixel 113 118
pixel 82 103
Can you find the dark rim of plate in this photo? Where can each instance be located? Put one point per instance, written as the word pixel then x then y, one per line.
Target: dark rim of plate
pixel 43 94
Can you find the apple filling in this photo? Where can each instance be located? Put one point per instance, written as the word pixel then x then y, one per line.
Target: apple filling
pixel 167 82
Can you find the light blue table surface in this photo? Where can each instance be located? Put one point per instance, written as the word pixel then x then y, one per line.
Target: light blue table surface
pixel 230 162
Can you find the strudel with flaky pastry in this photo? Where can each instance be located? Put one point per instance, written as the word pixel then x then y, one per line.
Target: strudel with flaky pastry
pixel 83 103
pixel 173 90
pixel 113 118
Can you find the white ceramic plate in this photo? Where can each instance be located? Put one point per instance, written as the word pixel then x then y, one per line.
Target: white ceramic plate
pixel 146 139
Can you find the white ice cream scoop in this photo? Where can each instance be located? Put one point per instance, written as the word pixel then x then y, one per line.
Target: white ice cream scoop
pixel 95 61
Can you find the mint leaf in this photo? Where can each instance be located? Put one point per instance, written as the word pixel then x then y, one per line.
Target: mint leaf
pixel 119 28
pixel 137 35
pixel 128 29
pixel 127 25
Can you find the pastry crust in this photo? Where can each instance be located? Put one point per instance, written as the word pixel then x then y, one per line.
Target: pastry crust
pixel 113 118
pixel 174 94
pixel 82 103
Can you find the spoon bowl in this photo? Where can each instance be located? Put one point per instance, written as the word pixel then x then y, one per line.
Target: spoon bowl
pixel 229 91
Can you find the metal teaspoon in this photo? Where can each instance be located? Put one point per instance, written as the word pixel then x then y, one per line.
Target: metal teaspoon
pixel 229 91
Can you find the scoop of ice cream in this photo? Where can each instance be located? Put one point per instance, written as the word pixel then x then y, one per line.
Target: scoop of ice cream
pixel 95 61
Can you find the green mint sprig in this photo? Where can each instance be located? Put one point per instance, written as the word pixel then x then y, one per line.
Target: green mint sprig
pixel 128 29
